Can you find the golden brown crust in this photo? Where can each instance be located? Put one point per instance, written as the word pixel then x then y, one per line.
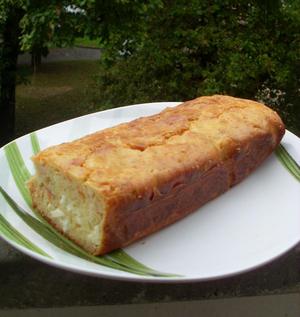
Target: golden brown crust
pixel 154 170
pixel 186 196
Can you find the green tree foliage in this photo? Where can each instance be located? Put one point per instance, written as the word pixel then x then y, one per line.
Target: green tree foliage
pixel 183 49
pixel 35 26
pixel 163 49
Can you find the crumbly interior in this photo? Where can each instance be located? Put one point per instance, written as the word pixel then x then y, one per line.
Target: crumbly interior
pixel 71 207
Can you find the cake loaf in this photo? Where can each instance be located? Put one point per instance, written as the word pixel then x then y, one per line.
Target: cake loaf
pixel 110 188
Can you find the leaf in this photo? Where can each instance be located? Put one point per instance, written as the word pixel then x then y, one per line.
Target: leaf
pixel 34 143
pixel 18 169
pixel 12 234
pixel 287 161
pixel 118 260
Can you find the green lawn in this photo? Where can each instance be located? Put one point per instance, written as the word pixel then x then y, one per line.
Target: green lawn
pixel 86 42
pixel 57 92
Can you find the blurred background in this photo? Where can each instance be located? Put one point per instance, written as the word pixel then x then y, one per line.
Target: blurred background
pixel 63 59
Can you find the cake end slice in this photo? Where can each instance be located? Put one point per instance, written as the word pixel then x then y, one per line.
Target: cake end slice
pixel 70 206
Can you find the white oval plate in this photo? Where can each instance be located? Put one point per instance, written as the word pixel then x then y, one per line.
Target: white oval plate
pixel 251 224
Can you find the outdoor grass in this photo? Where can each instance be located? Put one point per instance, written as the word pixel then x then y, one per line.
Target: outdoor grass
pixel 56 92
pixel 86 42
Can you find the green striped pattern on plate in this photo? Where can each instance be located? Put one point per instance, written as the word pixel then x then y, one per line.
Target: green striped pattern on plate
pixel 118 259
pixel 34 143
pixel 288 162
pixel 12 234
pixel 18 169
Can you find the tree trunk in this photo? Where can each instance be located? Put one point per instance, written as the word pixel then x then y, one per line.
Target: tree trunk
pixel 36 60
pixel 9 49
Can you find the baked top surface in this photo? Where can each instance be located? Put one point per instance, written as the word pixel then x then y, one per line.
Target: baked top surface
pixel 155 150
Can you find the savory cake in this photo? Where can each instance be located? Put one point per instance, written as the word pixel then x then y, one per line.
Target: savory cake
pixel 112 187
